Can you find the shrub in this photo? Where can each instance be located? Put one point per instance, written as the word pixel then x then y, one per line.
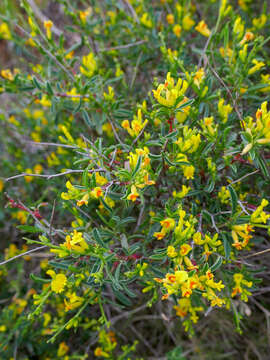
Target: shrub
pixel 138 133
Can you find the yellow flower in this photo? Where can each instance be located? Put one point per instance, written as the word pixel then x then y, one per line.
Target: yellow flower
pixel 110 95
pixel 208 126
pixel 5 32
pixel 38 169
pixel 170 19
pixel 33 27
pixel 241 286
pixel 249 36
pixel 136 124
pixel 180 276
pixel 84 14
pixel 141 268
pixel 224 8
pixel 203 29
pixel 224 110
pixel 28 178
pixel 73 302
pixel 167 93
pixel 258 22
pixel 7 74
pixel 185 249
pixel 118 71
pixel 177 30
pixel 257 66
pixel 83 201
pixel 183 114
pixel 243 4
pixel 259 216
pixel 188 171
pixel 224 195
pixel 100 180
pixel 89 65
pixel 58 282
pixel 188 22
pixel 159 235
pixel 134 194
pixel 167 224
pixel 44 101
pixel 97 192
pixel 1 185
pixel 100 353
pixel 241 231
pixel 238 27
pixel 171 251
pixel 3 328
pixel 183 193
pixel 62 349
pixel 198 77
pixel 48 25
pixel 227 52
pixel 146 21
pixel 112 15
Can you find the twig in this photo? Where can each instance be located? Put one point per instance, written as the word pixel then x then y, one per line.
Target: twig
pixel 139 218
pixel 47 52
pixel 51 219
pixel 115 132
pixel 126 314
pixel 243 208
pixel 42 18
pixel 139 135
pixel 126 46
pixel 243 177
pixel 143 339
pixel 52 144
pixel 227 89
pixel 257 253
pixel 50 176
pixel 136 70
pixel 22 254
pixel 133 12
pixel 204 50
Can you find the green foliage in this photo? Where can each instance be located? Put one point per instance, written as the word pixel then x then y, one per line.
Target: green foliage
pixel 135 159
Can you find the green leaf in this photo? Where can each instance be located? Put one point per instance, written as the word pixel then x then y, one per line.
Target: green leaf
pixel 261 163
pixel 234 199
pixel 98 239
pixel 226 245
pixel 210 186
pixel 122 297
pixel 49 88
pixel 157 256
pixel 124 241
pixel 39 279
pixel 217 264
pixel 137 167
pixel 85 177
pixel 107 207
pixel 29 229
pixel 185 104
pixel 86 118
pixel 117 272
pixel 37 83
pixel 129 292
pixel 175 354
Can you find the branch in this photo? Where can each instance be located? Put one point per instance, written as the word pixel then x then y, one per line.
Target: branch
pixel 50 176
pixel 22 254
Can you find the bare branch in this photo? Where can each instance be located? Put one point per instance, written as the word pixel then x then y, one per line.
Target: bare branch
pixel 126 46
pixel 243 177
pixel 50 176
pixel 22 254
